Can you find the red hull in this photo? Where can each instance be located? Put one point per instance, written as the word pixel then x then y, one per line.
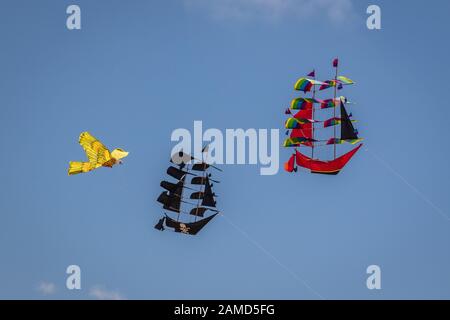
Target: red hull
pixel 325 167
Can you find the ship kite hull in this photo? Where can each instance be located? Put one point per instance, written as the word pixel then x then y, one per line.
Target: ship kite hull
pixel 331 167
pixel 188 228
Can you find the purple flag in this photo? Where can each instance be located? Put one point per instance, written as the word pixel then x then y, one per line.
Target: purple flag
pixel 312 74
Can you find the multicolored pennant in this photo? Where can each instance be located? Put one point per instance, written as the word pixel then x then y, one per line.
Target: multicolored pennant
pixel 296 142
pixel 305 84
pixel 296 123
pixel 331 122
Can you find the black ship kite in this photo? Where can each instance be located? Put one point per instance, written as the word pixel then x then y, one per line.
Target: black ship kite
pixel 189 201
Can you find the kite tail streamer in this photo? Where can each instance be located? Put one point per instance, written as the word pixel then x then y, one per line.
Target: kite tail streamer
pixel 78 167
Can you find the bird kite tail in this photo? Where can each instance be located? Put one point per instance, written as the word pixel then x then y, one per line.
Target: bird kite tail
pixel 78 167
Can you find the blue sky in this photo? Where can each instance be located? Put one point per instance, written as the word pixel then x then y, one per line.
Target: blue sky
pixel 139 69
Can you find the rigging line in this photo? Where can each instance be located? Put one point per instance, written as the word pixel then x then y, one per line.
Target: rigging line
pixel 315 108
pixel 334 109
pixel 182 188
pixel 318 128
pixel 316 145
pixel 189 188
pixel 196 190
pixel 323 140
pixel 270 255
pixel 211 165
pixel 202 187
pixel 413 188
pixel 313 95
pixel 185 212
pixel 319 121
pixel 184 198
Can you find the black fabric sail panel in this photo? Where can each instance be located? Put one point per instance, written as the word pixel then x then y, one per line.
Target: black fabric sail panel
pixel 208 197
pixel 200 166
pixel 198 180
pixel 188 228
pixel 176 173
pixel 179 189
pixel 197 195
pixel 163 198
pixel 174 188
pixel 169 186
pixel 170 202
pixel 199 212
pixel 347 129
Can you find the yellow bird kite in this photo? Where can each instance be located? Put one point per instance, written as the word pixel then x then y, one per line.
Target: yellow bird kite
pixel 98 155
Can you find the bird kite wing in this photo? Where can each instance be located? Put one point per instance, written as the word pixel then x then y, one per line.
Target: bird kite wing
pixel 96 152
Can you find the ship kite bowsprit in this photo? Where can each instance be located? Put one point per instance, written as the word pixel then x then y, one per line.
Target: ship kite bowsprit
pixel 302 127
pixel 189 201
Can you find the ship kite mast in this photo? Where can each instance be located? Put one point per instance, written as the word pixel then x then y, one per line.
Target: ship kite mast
pixel 335 65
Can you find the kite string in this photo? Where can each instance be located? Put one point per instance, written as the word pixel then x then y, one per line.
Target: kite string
pixel 270 255
pixel 420 194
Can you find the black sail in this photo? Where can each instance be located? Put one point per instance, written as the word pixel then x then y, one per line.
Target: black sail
pixel 170 201
pixel 169 186
pixel 197 195
pixel 199 212
pixel 179 189
pixel 164 198
pixel 347 129
pixel 208 197
pixel 200 166
pixel 198 180
pixel 174 188
pixel 176 173
pixel 202 180
pixel 188 228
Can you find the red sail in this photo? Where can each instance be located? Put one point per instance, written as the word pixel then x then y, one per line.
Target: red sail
pixel 306 129
pixel 289 165
pixel 325 167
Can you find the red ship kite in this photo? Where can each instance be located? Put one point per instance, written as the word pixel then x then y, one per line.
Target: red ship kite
pixel 302 125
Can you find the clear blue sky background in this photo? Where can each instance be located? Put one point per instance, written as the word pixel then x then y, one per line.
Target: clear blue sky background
pixel 139 69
